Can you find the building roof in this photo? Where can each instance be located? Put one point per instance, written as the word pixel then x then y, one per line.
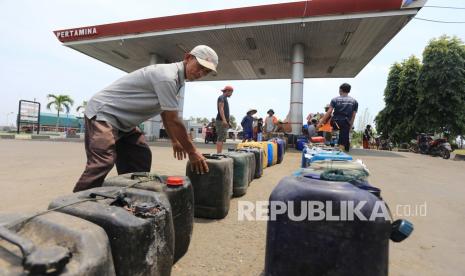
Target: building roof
pixel 340 37
pixel 49 119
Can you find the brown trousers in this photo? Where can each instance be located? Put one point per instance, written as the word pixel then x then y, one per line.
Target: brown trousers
pixel 107 146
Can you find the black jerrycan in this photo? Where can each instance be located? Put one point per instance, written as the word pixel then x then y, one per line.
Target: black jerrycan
pixel 242 171
pixel 53 244
pixel 258 160
pixel 138 224
pixel 180 194
pixel 212 190
pixel 332 228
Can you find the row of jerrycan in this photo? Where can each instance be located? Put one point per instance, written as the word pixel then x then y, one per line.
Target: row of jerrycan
pixel 274 150
pixel 312 154
pixel 337 243
pixel 230 175
pixel 137 224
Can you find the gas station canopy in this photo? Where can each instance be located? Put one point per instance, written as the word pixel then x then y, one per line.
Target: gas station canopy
pixel 340 37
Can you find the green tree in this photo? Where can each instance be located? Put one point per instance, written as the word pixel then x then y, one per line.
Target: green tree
pixel 82 106
pixel 202 120
pixel 61 103
pixel 407 100
pixel 387 118
pixel 441 87
pixel 396 119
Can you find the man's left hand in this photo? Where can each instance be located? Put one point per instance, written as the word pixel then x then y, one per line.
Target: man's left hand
pixel 178 151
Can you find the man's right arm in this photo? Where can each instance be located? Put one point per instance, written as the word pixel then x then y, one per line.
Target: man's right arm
pixel 175 127
pixel 353 114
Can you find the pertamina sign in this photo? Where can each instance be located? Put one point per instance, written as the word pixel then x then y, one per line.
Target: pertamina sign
pixel 76 33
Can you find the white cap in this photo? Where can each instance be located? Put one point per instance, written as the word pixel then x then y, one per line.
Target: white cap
pixel 206 56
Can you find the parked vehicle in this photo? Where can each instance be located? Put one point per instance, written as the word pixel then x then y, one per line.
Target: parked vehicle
pixel 210 135
pixel 413 146
pixel 435 147
pixel 383 144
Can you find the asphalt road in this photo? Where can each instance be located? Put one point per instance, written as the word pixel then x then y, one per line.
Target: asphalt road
pixel 32 173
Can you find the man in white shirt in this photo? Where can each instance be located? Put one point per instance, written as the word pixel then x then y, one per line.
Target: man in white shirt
pixel 113 114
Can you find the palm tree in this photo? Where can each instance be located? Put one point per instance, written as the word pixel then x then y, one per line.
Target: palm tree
pixel 60 102
pixel 82 106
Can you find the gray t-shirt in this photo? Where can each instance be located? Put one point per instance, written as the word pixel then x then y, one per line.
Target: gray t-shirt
pixel 344 107
pixel 311 130
pixel 138 96
pixel 223 99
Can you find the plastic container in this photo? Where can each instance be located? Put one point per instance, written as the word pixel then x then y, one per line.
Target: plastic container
pixel 339 164
pixel 317 140
pixel 309 152
pixel 257 145
pixel 281 148
pixel 360 182
pixel 241 171
pixel 336 156
pixel 274 160
pixel 213 190
pixel 326 245
pixel 251 160
pixel 272 150
pixel 301 142
pixel 78 247
pixel 180 194
pixel 310 155
pixel 137 222
pixel 258 152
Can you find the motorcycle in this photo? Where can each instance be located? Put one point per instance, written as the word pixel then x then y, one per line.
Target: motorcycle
pixel 435 147
pixel 210 135
pixel 383 144
pixel 413 146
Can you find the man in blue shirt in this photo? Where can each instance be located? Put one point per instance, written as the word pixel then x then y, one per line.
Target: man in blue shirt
pixel 247 125
pixel 345 108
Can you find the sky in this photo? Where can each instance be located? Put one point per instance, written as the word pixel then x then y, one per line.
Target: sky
pixel 34 63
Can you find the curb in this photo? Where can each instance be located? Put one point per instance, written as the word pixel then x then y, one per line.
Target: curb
pixel 459 157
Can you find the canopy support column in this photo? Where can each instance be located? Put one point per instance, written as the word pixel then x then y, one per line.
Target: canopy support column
pixel 297 89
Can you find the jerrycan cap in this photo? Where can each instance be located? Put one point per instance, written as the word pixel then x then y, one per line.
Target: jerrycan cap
pixel 174 181
pixel 401 229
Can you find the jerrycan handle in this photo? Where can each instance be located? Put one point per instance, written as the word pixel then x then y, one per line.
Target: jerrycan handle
pixel 26 246
pixel 214 156
pixel 38 261
pixel 312 176
pixel 150 176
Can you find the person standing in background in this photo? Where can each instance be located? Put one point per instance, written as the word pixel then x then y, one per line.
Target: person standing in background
pixel 247 125
pixel 311 129
pixel 345 109
pixel 271 124
pixel 260 130
pixel 367 136
pixel 222 118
